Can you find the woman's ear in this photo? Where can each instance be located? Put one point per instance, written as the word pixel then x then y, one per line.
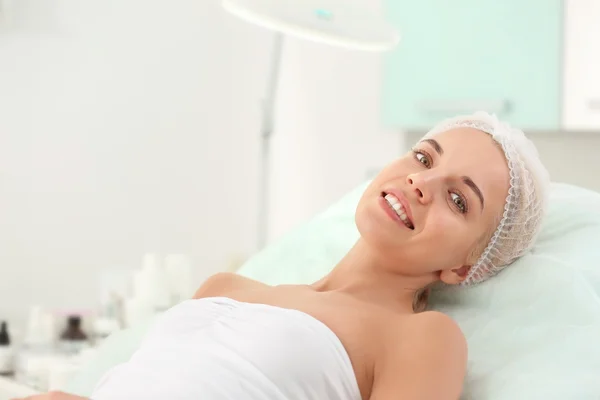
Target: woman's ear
pixel 455 276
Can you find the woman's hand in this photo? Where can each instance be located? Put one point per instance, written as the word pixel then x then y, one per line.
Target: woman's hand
pixel 53 396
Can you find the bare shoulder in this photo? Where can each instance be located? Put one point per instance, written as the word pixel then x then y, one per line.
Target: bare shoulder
pixel 437 337
pixel 437 326
pixel 427 347
pixel 223 283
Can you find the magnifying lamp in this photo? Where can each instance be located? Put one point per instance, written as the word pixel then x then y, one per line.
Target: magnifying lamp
pixel 338 23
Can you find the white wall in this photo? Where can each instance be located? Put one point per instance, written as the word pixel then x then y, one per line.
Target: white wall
pixel 125 128
pixel 131 126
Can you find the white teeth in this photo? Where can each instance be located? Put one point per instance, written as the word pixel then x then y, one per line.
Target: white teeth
pixel 399 208
pixel 393 200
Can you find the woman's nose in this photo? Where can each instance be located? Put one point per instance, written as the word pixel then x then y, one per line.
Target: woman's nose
pixel 420 185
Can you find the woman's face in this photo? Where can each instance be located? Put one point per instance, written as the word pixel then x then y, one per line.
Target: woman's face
pixel 430 213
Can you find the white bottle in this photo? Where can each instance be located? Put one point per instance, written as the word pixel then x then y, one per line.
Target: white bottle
pixel 38 346
pixel 40 329
pixel 103 327
pixel 154 284
pixel 6 351
pixel 179 277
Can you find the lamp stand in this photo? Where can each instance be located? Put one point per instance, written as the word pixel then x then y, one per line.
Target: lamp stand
pixel 266 133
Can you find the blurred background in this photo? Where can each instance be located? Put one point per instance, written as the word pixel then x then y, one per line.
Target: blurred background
pixel 130 130
pixel 132 127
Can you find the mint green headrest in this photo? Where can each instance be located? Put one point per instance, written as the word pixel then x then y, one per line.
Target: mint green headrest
pixel 311 250
pixel 532 330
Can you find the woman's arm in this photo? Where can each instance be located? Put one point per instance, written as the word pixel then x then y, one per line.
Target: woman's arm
pixel 429 364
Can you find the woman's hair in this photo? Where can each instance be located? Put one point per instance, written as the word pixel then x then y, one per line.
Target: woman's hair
pixel 525 205
pixel 421 299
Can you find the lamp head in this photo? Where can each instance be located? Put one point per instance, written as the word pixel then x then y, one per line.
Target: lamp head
pixel 325 21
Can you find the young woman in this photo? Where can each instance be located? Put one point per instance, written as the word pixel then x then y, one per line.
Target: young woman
pixel 458 208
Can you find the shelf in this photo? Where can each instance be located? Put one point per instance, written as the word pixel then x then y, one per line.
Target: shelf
pixel 10 389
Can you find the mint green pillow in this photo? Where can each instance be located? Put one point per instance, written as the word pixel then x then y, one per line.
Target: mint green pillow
pixel 311 250
pixel 532 330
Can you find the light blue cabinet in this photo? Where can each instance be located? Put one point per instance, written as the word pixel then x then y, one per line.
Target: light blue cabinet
pixel 455 57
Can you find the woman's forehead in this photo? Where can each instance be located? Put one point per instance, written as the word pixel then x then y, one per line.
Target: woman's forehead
pixel 466 142
pixel 463 135
pixel 476 154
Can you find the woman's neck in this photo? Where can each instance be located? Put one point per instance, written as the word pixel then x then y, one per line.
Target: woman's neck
pixel 363 274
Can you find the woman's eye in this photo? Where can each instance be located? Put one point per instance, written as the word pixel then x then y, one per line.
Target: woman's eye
pixel 423 159
pixel 460 203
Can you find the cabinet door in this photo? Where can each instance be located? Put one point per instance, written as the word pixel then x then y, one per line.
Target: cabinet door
pixel 460 56
pixel 581 100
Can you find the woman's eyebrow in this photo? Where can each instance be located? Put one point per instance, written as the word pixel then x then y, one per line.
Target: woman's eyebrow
pixel 434 143
pixel 469 182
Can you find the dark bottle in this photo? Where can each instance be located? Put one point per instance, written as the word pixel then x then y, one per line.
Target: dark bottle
pixel 73 339
pixel 6 355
